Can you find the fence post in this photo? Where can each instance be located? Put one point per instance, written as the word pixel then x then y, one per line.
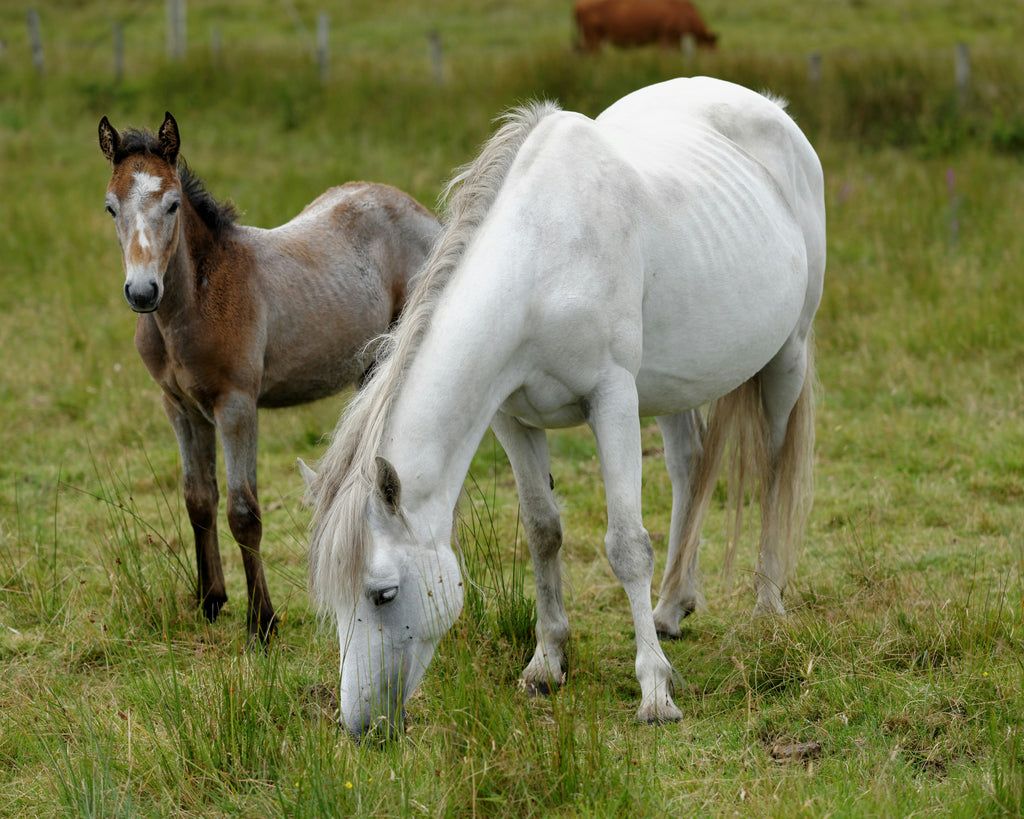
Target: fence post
pixel 37 41
pixel 436 56
pixel 118 52
pixel 963 74
pixel 814 70
pixel 176 29
pixel 322 44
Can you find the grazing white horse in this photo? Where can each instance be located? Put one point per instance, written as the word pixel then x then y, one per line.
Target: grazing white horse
pixel 664 256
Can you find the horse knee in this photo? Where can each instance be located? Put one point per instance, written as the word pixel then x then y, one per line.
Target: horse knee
pixel 631 555
pixel 201 502
pixel 245 521
pixel 544 536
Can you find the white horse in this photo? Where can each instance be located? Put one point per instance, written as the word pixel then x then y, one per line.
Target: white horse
pixel 665 255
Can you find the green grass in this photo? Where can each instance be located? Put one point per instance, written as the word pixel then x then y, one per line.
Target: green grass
pixel 902 656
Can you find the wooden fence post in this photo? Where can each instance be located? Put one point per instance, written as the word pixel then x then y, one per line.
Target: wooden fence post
pixel 37 41
pixel 118 52
pixel 814 70
pixel 176 29
pixel 436 56
pixel 323 44
pixel 963 74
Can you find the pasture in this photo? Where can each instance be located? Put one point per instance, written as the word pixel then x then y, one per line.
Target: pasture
pixel 895 686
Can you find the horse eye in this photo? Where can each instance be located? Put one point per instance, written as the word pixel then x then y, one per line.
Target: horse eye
pixel 112 212
pixel 172 208
pixel 381 597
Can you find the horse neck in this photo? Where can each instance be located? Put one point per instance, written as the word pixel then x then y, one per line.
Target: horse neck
pixel 441 414
pixel 187 266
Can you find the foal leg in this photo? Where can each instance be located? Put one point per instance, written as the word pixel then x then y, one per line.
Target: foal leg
pixel 614 418
pixel 782 387
pixel 527 451
pixel 681 436
pixel 197 442
pixel 237 422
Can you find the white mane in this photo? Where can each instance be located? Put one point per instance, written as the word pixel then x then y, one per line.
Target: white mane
pixel 340 543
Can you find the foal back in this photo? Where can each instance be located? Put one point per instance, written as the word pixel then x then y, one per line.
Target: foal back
pixel 330 279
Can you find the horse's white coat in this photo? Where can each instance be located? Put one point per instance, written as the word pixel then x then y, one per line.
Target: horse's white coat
pixel 643 263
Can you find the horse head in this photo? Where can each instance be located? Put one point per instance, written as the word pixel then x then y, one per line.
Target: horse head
pixel 144 198
pixel 410 596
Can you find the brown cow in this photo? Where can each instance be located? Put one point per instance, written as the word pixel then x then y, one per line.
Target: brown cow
pixel 640 22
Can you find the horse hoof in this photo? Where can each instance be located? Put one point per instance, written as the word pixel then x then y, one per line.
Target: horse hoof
pixel 539 688
pixel 211 607
pixel 659 714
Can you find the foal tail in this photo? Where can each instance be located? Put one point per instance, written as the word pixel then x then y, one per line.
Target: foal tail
pixel 786 483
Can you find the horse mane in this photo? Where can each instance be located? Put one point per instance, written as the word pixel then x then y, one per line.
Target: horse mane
pixel 217 216
pixel 340 543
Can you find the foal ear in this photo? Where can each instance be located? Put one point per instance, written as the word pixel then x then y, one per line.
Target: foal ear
pixel 170 140
pixel 110 140
pixel 389 488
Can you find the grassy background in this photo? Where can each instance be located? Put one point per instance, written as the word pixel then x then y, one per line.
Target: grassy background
pixel 902 655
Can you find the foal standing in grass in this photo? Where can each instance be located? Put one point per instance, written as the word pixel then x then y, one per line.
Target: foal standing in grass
pixel 233 318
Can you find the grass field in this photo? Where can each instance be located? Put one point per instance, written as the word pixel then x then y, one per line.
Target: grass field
pixel 901 662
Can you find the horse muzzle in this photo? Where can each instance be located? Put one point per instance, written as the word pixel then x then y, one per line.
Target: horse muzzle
pixel 144 298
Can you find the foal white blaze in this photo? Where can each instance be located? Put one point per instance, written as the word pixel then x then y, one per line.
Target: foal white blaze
pixel 644 263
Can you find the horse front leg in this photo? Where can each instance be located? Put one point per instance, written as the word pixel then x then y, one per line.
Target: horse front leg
pixel 197 442
pixel 237 422
pixel 527 451
pixel 614 418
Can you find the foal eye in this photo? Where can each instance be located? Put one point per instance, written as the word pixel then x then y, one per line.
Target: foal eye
pixel 111 211
pixel 172 208
pixel 381 597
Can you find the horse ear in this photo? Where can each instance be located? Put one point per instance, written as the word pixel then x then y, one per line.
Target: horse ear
pixel 110 140
pixel 308 473
pixel 170 140
pixel 389 488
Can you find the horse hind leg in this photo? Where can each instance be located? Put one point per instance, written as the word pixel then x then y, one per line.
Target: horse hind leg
pixel 682 435
pixel 528 453
pixel 787 399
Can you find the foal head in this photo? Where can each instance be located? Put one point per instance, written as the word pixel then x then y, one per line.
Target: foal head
pixel 144 198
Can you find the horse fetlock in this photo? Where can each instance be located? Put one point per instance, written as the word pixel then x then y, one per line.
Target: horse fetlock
pixel 769 600
pixel 769 605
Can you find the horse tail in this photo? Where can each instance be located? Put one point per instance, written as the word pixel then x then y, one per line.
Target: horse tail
pixel 785 485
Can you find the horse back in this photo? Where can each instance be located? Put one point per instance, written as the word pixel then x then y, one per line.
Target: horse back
pixel 331 279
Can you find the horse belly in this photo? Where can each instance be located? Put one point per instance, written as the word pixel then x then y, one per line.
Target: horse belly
pixel 716 313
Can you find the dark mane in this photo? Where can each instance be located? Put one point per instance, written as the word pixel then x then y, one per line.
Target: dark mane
pixel 217 216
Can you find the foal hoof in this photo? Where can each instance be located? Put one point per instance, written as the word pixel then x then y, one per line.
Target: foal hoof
pixel 261 636
pixel 211 607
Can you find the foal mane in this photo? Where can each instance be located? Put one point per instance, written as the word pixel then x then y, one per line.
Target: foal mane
pixel 217 216
pixel 340 543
